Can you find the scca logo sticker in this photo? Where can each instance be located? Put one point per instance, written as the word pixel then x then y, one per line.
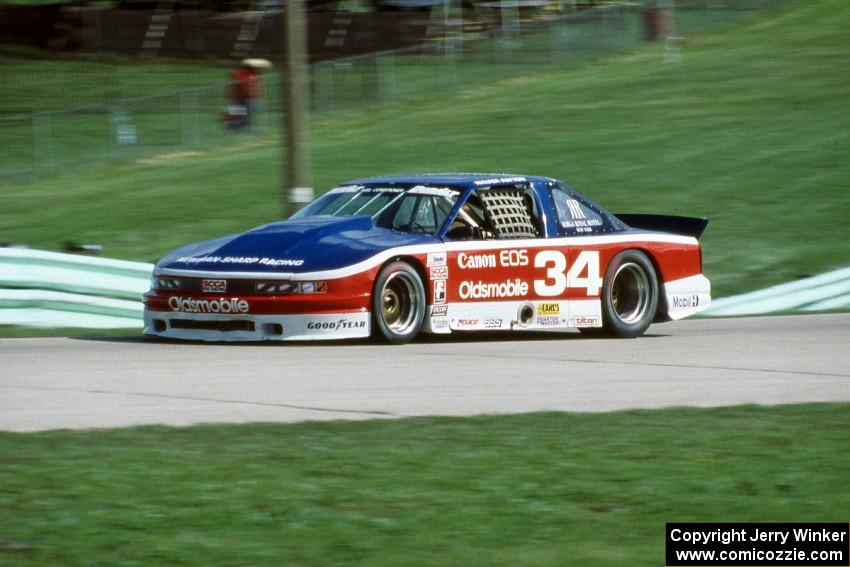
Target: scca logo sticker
pixel 214 286
pixel 439 273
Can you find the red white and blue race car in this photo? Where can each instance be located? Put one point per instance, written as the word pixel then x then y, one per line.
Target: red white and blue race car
pixel 395 256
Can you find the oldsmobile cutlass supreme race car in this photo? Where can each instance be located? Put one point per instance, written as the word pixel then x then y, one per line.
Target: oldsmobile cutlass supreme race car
pixel 395 256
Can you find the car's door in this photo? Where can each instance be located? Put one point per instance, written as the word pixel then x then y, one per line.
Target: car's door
pixel 490 258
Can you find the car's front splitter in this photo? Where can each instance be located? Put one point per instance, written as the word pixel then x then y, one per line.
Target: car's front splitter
pixel 249 327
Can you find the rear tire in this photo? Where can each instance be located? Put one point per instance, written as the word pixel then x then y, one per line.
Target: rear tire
pixel 629 294
pixel 398 303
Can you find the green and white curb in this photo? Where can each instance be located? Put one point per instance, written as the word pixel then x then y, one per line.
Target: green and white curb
pixel 826 292
pixel 41 308
pixel 52 289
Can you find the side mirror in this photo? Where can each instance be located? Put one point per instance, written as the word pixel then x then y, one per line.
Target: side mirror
pixel 466 232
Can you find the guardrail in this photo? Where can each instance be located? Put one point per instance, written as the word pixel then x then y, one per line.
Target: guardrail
pixel 52 289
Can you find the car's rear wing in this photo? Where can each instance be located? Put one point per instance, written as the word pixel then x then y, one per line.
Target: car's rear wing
pixel 687 226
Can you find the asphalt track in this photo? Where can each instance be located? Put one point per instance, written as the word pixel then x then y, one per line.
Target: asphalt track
pixel 125 381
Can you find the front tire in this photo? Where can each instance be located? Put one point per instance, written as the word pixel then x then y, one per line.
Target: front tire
pixel 629 294
pixel 398 303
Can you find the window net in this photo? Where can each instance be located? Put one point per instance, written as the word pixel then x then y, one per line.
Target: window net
pixel 509 213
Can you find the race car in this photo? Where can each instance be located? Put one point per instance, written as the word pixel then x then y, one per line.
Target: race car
pixel 392 257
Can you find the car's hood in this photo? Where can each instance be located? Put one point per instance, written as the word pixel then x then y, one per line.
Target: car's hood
pixel 292 246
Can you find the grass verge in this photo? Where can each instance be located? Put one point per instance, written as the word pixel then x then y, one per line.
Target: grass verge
pixel 534 489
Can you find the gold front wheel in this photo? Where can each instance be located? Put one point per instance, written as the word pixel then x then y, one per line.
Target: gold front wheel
pixel 399 302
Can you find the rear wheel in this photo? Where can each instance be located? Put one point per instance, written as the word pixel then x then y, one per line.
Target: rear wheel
pixel 629 294
pixel 398 303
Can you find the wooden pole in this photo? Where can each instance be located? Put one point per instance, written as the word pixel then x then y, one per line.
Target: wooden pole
pixel 295 83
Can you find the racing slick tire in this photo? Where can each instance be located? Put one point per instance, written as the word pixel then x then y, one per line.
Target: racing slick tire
pixel 398 303
pixel 629 294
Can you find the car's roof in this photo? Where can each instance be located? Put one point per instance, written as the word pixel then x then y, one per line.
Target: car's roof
pixel 450 179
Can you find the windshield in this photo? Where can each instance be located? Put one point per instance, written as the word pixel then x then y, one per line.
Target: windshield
pixel 406 209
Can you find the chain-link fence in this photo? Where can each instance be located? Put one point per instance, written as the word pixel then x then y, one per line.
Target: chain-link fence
pixel 124 128
pixel 162 124
pixel 516 46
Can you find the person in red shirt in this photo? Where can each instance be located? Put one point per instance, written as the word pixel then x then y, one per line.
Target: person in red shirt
pixel 245 88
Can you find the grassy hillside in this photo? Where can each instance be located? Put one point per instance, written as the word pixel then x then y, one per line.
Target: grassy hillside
pixel 748 125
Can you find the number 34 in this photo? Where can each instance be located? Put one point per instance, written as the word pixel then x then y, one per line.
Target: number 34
pixel 558 279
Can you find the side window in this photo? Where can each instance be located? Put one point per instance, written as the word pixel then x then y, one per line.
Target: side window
pixel 424 219
pixel 404 215
pixel 416 213
pixel 442 209
pixel 574 216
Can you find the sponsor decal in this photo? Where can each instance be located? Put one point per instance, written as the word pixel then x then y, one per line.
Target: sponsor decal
pixel 439 323
pixel 439 291
pixel 283 262
pixel 287 287
pixel 482 290
pixel 579 221
pixel 363 189
pixel 685 301
pixel 214 286
pixel 221 305
pixel 506 259
pixel 346 189
pixel 439 273
pixel 335 325
pixel 582 225
pixel 576 211
pixel 585 321
pixel 548 309
pixel 439 310
pixel 274 262
pixel 436 259
pixel 308 287
pixel 511 258
pixel 500 180
pixel 468 261
pixel 436 191
pixel 276 287
pixel 466 323
pixel 548 321
pixel 493 322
